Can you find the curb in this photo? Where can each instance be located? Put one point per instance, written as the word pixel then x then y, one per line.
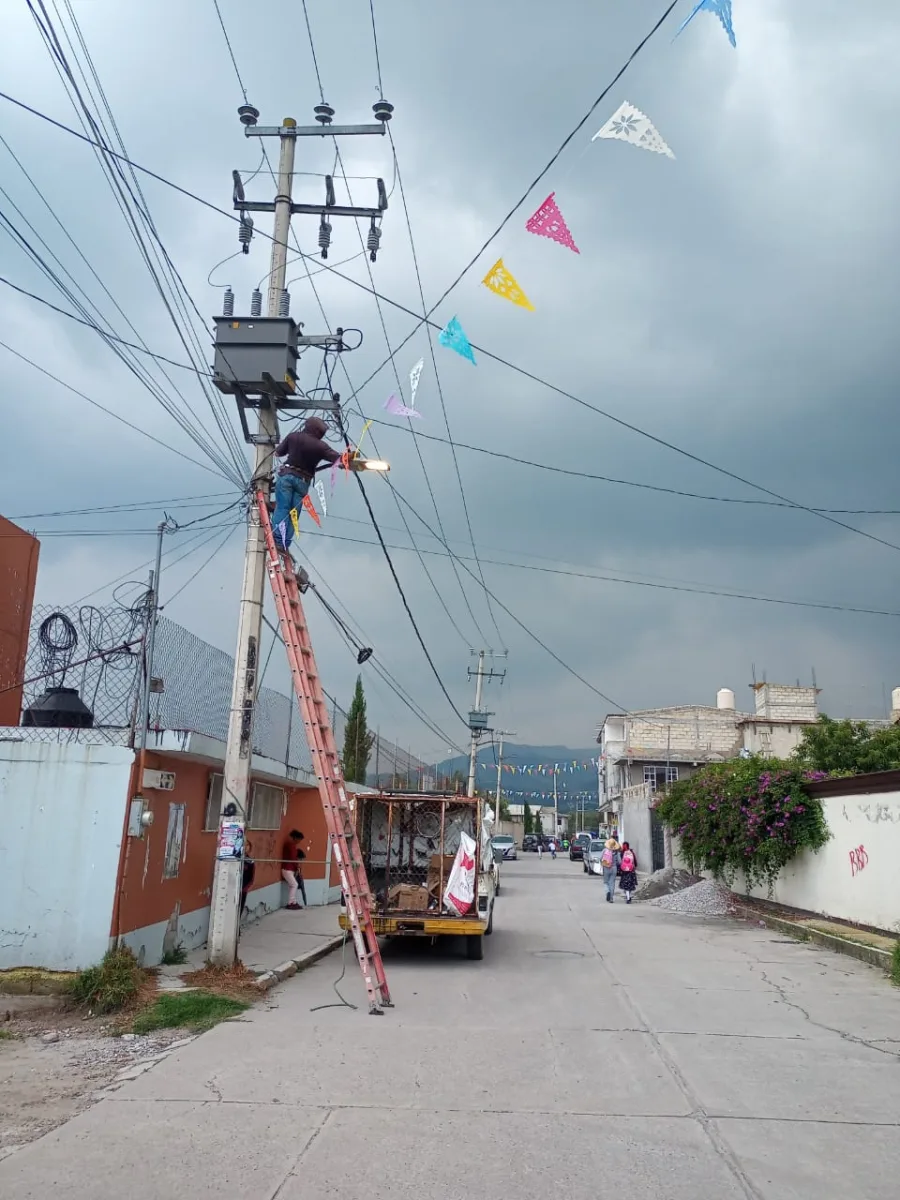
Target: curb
pixel 804 933
pixel 278 974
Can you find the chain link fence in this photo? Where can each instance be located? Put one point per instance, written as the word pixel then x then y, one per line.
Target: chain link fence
pixel 192 689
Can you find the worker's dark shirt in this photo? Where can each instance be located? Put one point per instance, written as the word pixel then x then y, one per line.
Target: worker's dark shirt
pixel 305 452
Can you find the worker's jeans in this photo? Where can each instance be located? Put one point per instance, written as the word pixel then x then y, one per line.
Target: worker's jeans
pixel 609 880
pixel 294 880
pixel 290 491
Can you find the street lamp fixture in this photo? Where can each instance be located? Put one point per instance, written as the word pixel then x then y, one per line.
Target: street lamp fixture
pixel 370 464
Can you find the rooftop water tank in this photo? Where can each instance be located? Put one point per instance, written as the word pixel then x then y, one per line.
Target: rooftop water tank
pixel 725 698
pixel 59 708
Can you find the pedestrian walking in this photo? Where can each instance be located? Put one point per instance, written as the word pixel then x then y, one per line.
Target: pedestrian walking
pixel 540 849
pixel 553 850
pixel 291 856
pixel 609 861
pixel 628 871
pixel 248 874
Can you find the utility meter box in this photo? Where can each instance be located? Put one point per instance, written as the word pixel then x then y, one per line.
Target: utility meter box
pixel 256 355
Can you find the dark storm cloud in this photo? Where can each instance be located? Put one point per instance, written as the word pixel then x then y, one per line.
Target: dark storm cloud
pixel 735 302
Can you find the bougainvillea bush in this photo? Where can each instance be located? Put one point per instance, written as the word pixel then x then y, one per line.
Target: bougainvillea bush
pixel 749 816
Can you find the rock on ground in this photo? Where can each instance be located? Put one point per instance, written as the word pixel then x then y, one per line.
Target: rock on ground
pixel 664 882
pixel 706 898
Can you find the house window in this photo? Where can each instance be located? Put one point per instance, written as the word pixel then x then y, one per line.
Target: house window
pixel 213 803
pixel 174 841
pixel 658 777
pixel 267 807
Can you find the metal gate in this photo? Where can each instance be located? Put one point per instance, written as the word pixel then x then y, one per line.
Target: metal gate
pixel 657 841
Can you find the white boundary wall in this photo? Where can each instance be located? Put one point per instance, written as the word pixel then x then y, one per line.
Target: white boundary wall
pixel 856 876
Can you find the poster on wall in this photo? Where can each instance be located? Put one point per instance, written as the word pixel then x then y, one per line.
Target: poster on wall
pixel 231 839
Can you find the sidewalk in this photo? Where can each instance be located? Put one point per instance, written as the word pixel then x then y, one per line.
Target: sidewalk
pixel 267 945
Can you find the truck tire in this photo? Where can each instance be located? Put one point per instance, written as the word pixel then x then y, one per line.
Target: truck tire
pixel 474 946
pixel 490 927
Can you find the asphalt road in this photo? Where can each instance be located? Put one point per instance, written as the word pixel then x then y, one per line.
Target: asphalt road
pixel 597 1050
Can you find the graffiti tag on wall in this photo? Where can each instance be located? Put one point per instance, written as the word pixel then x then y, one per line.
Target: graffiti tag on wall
pixel 859 860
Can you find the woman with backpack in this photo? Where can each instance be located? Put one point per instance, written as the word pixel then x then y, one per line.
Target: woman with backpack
pixel 609 861
pixel 628 871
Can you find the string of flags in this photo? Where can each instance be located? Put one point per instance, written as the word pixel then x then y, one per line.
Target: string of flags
pixel 566 768
pixel 627 124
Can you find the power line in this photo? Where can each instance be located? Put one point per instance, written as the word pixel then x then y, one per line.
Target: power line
pixel 132 506
pixel 650 487
pixel 230 51
pixel 109 412
pixel 482 350
pixel 670 587
pixel 221 546
pixel 388 678
pixel 428 484
pixel 123 192
pixel 437 376
pixel 554 158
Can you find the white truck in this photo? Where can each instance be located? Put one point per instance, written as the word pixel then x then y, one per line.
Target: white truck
pixel 430 866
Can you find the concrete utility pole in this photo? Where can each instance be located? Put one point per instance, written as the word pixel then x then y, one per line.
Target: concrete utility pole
pixel 226 893
pixel 478 716
pixel 501 733
pixel 150 633
pixel 248 365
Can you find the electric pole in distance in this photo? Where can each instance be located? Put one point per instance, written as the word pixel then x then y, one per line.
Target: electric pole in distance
pixel 256 361
pixel 478 716
pixel 501 734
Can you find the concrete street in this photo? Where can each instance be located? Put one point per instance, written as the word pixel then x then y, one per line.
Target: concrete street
pixel 597 1050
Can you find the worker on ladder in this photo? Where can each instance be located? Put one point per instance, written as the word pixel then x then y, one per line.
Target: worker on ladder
pixel 306 452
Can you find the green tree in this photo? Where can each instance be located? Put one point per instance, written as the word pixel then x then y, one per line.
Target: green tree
pixel 504 809
pixel 528 819
pixel 849 747
pixel 358 741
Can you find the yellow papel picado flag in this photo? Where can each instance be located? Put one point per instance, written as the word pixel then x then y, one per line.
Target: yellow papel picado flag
pixel 501 281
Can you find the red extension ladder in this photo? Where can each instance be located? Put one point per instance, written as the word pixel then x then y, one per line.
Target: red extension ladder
pixel 327 765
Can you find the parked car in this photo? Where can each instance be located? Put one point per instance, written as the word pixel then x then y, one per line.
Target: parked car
pixel 530 843
pixel 504 847
pixel 578 845
pixel 591 860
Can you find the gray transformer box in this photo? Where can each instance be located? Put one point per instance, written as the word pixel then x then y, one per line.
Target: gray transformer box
pixel 256 355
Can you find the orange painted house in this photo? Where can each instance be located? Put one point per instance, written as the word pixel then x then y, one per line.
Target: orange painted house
pixel 148 884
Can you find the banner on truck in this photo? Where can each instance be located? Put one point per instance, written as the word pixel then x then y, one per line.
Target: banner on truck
pixel 460 891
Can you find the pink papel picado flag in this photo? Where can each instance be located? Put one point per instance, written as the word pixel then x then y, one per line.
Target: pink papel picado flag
pixel 548 222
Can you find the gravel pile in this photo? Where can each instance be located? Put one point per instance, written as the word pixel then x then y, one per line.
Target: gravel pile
pixel 707 899
pixel 664 882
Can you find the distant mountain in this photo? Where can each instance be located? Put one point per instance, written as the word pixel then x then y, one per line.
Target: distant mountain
pixel 527 773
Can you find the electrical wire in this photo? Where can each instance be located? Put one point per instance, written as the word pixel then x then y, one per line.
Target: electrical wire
pixel 230 52
pixel 339 161
pixel 555 157
pixel 671 587
pixel 650 487
pixel 89 324
pixel 534 378
pixel 131 506
pixel 216 550
pixel 437 376
pixel 133 206
pixel 109 412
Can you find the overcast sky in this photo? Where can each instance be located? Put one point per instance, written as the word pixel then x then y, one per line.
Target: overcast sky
pixel 738 301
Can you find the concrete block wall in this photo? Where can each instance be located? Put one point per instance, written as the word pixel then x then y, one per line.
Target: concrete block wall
pixel 692 728
pixel 786 703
